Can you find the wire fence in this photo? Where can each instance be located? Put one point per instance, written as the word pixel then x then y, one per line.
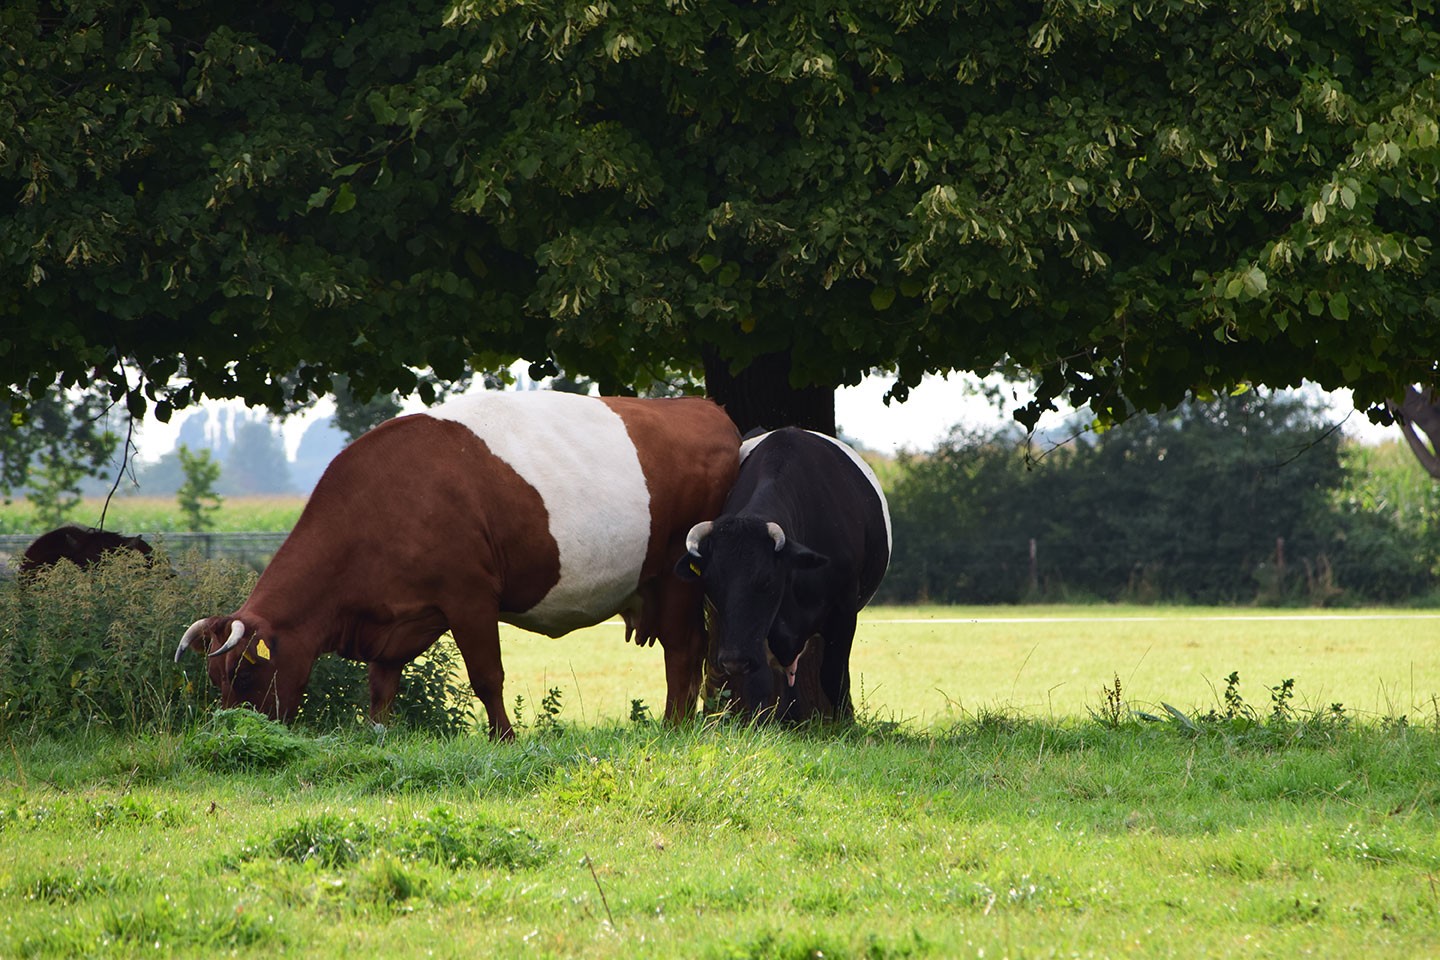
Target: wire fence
pixel 251 549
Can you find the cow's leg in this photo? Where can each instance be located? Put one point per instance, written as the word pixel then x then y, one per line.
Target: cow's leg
pixel 682 637
pixel 478 637
pixel 839 635
pixel 384 684
pixel 684 663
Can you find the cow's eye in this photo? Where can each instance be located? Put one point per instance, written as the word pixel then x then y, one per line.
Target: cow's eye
pixel 761 582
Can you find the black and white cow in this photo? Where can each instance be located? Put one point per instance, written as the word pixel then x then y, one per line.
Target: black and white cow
pixel 800 547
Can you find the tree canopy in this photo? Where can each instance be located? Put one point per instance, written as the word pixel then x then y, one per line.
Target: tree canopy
pixel 1127 201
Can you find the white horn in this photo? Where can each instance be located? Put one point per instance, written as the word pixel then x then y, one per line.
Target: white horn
pixel 698 532
pixel 237 632
pixel 190 635
pixel 777 535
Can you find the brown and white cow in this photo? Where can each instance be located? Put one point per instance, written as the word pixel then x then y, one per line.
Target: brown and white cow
pixel 550 511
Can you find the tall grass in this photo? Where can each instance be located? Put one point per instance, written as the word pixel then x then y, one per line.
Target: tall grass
pixel 95 646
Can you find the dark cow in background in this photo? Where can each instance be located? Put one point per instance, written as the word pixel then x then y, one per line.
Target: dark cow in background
pixel 799 549
pixel 550 511
pixel 82 546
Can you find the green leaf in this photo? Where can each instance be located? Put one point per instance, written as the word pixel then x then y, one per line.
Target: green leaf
pixel 1340 306
pixel 1180 717
pixel 882 297
pixel 344 199
pixel 380 107
pixel 1255 281
pixel 708 262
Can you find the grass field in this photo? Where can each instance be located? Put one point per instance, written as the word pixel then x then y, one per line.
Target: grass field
pixel 999 818
pixel 936 665
pixel 997 839
pixel 152 514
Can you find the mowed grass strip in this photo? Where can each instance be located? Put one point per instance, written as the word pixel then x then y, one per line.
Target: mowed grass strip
pixel 996 837
pixel 932 665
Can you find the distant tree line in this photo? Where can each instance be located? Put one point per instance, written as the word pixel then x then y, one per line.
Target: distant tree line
pixel 1249 499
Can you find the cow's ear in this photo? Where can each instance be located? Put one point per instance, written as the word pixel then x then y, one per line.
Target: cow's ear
pixel 690 567
pixel 803 557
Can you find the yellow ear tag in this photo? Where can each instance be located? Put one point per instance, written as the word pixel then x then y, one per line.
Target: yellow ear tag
pixel 262 648
pixel 695 568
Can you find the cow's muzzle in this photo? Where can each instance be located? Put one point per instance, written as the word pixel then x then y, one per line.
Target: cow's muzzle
pixel 738 666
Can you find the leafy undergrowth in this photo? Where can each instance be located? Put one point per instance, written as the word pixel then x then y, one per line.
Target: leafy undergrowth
pixel 1224 835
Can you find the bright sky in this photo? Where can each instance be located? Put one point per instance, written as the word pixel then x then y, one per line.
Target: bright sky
pixel 918 424
pixel 938 404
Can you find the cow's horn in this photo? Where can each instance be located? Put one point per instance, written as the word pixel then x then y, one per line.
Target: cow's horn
pixel 777 535
pixel 698 532
pixel 190 635
pixel 237 632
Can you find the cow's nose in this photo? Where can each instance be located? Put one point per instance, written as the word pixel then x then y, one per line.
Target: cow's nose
pixel 736 666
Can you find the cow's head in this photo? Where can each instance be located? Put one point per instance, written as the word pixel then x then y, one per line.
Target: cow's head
pixel 137 544
pixel 749 567
pixel 248 664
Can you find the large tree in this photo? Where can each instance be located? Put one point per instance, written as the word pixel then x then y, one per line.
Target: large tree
pixel 1128 202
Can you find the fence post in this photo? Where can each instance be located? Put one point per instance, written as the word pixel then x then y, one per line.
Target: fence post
pixel 1280 563
pixel 1034 570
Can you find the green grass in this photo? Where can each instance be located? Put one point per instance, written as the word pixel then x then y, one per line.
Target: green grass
pixel 993 837
pixel 1377 663
pixel 998 798
pixel 151 514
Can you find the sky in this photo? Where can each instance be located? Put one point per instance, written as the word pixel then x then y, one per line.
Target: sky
pixel 916 425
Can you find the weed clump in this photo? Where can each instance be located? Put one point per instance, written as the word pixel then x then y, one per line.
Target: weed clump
pixel 243 739
pixel 438 837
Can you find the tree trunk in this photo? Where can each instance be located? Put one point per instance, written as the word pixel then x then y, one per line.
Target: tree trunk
pixel 761 397
pixel 1421 408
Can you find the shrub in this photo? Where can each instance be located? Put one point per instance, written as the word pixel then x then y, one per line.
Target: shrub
pixel 1240 500
pixel 430 697
pixel 97 646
